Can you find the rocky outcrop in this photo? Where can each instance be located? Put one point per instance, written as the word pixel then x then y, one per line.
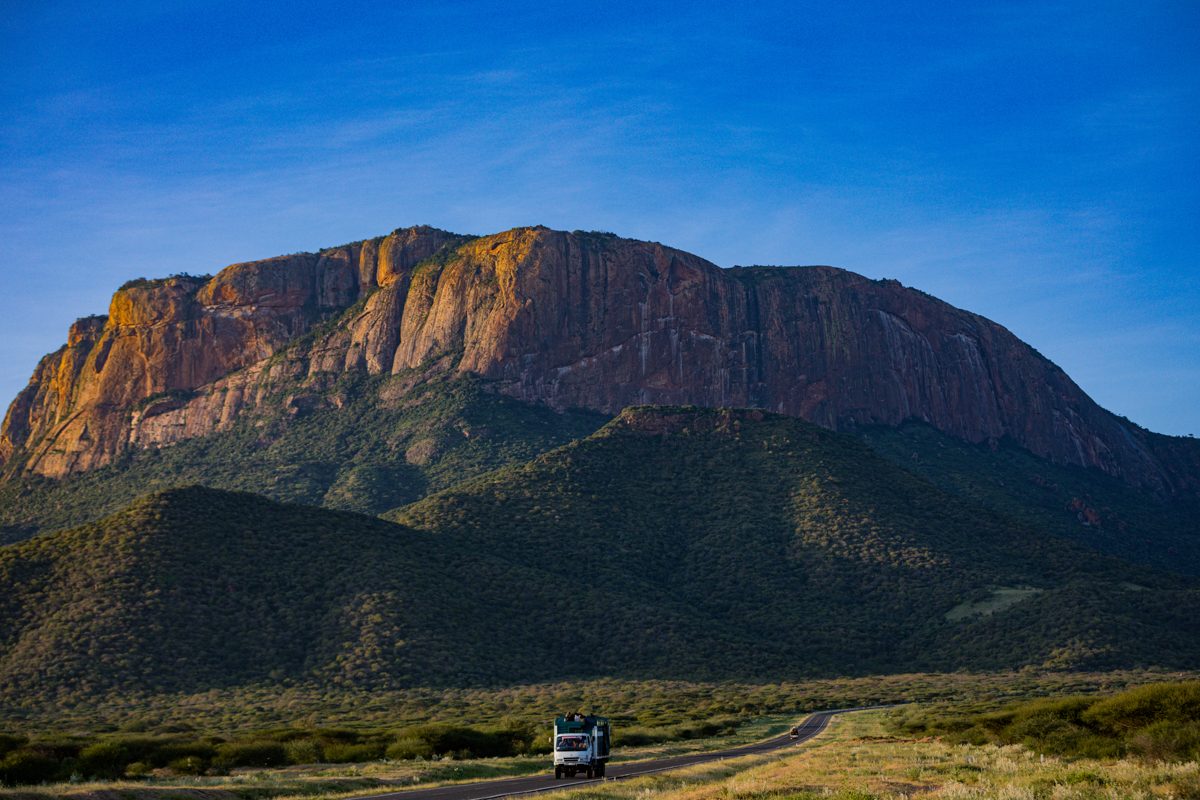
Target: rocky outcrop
pixel 128 379
pixel 567 320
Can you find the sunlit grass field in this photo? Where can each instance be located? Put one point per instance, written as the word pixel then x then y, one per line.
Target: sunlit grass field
pixel 966 735
pixel 341 780
pixel 855 759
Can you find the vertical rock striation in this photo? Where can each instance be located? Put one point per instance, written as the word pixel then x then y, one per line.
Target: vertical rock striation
pixel 128 379
pixel 568 320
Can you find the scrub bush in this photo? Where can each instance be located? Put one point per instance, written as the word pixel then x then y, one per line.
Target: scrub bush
pixel 442 740
pixel 303 751
pixel 408 749
pixel 353 753
pixel 105 760
pixel 1166 741
pixel 250 754
pixel 189 765
pixel 27 769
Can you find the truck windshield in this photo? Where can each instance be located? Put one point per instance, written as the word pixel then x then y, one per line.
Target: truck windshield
pixel 572 742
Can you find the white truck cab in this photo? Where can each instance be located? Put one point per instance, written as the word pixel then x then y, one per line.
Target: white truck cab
pixel 581 745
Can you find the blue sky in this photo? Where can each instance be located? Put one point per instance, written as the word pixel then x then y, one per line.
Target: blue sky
pixel 1036 162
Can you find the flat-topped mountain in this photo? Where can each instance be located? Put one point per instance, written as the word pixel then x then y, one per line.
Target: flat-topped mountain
pixel 563 319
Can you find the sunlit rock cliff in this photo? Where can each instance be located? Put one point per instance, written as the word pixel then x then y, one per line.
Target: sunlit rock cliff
pixel 563 319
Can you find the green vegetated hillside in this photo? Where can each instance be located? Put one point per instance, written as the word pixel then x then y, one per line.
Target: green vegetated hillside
pixel 196 587
pixel 1087 506
pixel 809 550
pixel 386 448
pixel 394 440
pixel 682 543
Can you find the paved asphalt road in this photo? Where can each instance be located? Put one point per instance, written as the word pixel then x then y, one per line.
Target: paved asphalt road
pixel 530 784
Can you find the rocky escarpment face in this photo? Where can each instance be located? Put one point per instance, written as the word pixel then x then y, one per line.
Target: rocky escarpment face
pixel 606 323
pixel 568 320
pixel 168 338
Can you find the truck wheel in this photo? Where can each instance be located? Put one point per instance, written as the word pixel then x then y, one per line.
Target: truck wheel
pixel 600 770
pixel 557 773
pixel 591 772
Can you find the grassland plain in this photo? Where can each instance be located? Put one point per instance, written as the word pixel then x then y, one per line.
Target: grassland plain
pixel 857 758
pixel 366 773
pixel 1156 722
pixel 417 754
pixel 638 704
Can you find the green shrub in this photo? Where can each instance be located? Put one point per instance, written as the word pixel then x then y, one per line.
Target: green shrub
pixel 68 769
pixel 58 747
pixel 189 765
pixel 408 749
pixel 27 769
pixel 303 751
pixel 445 739
pixel 135 725
pixel 8 743
pixel 103 760
pixel 537 746
pixel 1035 730
pixel 1159 722
pixel 1066 709
pixel 164 754
pixel 1093 746
pixel 1141 707
pixel 642 735
pixel 976 735
pixel 353 753
pixel 250 754
pixel 704 729
pixel 1083 776
pixel 636 736
pixel 727 724
pixel 1166 741
pixel 522 738
pixel 329 736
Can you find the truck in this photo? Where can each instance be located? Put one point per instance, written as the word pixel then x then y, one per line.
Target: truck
pixel 581 745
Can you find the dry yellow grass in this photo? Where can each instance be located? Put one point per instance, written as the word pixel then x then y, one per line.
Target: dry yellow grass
pixel 846 765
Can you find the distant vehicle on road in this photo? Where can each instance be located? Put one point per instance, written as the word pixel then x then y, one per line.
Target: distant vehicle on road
pixel 581 745
pixel 795 733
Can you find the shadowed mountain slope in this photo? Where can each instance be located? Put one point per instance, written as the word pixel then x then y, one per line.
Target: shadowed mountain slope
pixel 813 540
pixel 1087 506
pixel 684 543
pixel 361 444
